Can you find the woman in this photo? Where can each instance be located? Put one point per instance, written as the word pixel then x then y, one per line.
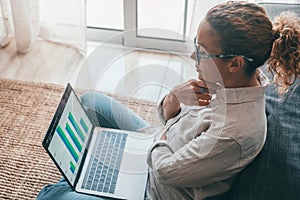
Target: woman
pixel 275 173
pixel 208 135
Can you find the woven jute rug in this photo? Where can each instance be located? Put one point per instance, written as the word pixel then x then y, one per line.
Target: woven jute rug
pixel 26 112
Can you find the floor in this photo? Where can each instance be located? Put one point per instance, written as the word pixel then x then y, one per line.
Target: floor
pixel 110 68
pixel 136 73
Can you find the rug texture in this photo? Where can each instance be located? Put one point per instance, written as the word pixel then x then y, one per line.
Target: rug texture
pixel 26 112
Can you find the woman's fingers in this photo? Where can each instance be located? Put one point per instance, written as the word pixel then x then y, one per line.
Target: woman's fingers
pixel 205 87
pixel 195 92
pixel 203 99
pixel 204 91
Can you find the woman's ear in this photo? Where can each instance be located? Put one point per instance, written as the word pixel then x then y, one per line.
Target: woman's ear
pixel 236 64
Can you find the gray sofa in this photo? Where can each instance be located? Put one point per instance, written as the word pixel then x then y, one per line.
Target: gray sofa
pixel 275 173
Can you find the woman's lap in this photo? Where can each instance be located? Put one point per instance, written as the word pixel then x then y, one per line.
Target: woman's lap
pixel 63 191
pixel 109 113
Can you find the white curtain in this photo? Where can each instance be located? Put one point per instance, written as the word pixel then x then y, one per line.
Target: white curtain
pixel 64 21
pixel 60 21
pixel 20 19
pixel 5 22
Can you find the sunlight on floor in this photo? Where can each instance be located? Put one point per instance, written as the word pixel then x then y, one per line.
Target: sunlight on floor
pixel 110 68
pixel 133 72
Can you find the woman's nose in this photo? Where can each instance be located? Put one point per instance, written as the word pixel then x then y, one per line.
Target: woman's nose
pixel 193 56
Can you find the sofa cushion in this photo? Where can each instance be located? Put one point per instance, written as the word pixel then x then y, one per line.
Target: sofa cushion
pixel 275 173
pixel 274 9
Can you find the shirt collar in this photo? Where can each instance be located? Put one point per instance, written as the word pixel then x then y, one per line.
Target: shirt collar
pixel 244 94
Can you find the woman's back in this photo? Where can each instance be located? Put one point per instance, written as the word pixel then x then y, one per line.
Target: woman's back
pixel 275 173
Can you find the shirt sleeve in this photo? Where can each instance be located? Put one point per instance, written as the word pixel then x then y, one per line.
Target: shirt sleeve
pixel 204 160
pixel 157 144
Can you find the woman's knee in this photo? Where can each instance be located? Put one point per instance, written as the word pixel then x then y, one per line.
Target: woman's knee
pixel 88 100
pixel 54 191
pixel 92 100
pixel 110 113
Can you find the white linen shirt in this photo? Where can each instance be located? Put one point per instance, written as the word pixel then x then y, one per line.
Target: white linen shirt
pixel 207 146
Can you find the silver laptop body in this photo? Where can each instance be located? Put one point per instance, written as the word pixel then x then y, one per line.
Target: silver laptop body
pixel 95 160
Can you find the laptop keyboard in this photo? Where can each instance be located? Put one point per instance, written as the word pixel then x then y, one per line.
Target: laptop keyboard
pixel 104 166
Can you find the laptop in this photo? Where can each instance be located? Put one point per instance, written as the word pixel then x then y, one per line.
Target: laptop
pixel 95 160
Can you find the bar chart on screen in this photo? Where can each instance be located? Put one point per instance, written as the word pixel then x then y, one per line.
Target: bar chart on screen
pixel 72 136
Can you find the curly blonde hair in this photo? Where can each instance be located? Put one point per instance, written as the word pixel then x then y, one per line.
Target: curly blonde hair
pixel 284 61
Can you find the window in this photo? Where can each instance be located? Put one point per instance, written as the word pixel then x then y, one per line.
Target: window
pixel 154 24
pixel 163 20
pixel 105 14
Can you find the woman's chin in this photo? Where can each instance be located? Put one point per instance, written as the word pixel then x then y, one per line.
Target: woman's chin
pixel 200 77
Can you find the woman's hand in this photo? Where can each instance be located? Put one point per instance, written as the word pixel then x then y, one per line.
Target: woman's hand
pixel 192 93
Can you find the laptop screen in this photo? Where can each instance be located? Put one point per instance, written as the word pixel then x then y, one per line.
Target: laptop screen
pixel 68 135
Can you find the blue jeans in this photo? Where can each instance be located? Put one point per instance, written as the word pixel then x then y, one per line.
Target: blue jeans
pixel 103 111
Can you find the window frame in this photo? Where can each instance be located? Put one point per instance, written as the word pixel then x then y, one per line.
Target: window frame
pixel 129 36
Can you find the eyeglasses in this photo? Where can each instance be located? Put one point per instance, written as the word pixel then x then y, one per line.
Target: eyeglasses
pixel 200 55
